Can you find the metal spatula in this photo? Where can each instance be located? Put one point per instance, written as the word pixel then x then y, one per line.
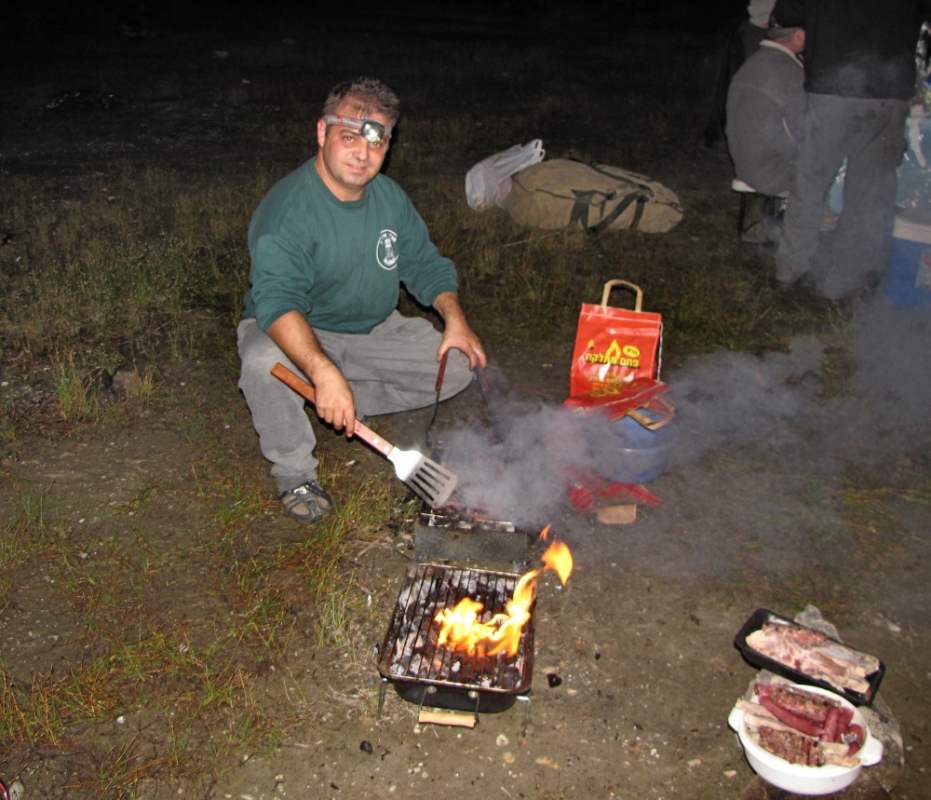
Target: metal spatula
pixel 428 479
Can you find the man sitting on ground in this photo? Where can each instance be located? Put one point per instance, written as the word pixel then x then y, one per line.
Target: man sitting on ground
pixel 330 245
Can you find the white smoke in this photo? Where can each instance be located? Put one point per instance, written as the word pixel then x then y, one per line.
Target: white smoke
pixel 765 446
pixel 770 445
pixel 522 477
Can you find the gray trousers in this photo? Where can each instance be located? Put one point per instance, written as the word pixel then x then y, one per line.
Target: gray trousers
pixel 393 368
pixel 870 135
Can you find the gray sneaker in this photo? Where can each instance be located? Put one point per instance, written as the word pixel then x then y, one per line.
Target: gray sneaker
pixel 307 503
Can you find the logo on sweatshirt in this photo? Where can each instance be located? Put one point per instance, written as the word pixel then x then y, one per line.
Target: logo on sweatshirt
pixel 386 252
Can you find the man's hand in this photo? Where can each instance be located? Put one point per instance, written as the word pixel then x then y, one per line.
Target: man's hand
pixel 457 332
pixel 335 403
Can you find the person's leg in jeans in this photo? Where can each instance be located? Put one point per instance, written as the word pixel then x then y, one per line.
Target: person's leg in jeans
pixel 863 240
pixel 393 368
pixel 285 434
pixel 822 133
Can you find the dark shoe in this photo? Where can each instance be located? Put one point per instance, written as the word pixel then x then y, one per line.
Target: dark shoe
pixel 307 503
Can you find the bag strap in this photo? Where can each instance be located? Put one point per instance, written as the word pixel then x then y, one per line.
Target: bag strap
pixel 618 282
pixel 630 177
pixel 640 181
pixel 620 208
pixel 584 199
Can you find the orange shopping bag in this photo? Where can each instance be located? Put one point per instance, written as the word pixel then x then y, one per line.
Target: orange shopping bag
pixel 617 356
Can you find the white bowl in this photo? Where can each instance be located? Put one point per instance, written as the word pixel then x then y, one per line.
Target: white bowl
pixel 801 779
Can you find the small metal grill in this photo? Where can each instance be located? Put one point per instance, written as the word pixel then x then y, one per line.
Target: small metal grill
pixel 426 673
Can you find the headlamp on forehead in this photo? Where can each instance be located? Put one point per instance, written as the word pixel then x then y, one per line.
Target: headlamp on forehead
pixel 373 132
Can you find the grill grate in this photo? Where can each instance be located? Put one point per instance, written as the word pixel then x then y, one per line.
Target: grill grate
pixel 410 652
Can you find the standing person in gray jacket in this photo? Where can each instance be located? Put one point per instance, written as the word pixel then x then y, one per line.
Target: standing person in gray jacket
pixel 764 105
pixel 330 246
pixel 859 77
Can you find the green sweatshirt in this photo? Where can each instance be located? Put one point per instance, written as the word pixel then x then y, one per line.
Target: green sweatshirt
pixel 339 263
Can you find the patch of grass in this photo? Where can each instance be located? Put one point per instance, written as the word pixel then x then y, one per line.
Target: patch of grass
pixel 116 256
pixel 74 403
pixel 7 427
pixel 868 509
pixel 144 497
pixel 335 617
pixel 193 677
pixel 119 771
pixel 789 595
pixel 24 534
pixel 85 397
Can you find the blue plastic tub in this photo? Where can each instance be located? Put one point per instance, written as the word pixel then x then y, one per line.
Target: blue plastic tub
pixel 633 453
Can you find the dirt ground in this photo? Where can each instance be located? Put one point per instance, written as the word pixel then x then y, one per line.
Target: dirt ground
pixel 756 512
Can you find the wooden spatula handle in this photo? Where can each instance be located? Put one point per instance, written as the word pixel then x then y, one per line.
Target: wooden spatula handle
pixel 305 390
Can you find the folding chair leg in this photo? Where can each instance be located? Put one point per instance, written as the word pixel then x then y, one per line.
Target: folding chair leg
pixel 741 215
pixel 769 207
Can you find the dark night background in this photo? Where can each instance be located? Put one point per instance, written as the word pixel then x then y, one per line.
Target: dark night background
pixel 32 28
pixel 109 51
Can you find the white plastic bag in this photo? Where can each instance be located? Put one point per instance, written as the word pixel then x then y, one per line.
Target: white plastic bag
pixel 489 181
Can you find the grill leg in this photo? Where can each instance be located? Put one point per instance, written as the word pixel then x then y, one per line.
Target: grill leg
pixel 525 723
pixel 383 687
pixel 423 697
pixel 742 214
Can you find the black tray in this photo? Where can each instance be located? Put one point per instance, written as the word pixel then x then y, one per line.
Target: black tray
pixel 758 659
pixel 477 700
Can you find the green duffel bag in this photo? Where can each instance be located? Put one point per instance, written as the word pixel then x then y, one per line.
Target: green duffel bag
pixel 562 194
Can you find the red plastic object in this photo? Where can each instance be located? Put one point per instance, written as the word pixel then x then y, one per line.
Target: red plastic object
pixel 585 485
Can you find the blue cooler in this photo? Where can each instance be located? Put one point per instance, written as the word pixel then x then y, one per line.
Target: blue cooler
pixel 908 281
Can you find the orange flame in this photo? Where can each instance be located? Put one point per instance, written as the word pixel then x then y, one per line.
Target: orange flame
pixel 461 629
pixel 557 557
